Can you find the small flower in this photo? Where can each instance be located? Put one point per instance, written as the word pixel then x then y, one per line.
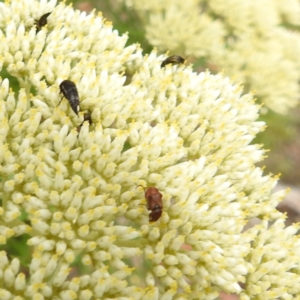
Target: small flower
pixel 74 193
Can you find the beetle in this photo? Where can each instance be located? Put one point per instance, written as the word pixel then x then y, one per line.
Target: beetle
pixel 86 117
pixel 154 202
pixel 69 91
pixel 42 21
pixel 174 60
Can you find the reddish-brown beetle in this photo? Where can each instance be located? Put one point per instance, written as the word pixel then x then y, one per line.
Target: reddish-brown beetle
pixel 154 202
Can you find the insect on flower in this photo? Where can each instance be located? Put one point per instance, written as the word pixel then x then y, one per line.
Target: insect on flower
pixel 69 91
pixel 154 202
pixel 86 117
pixel 174 60
pixel 42 21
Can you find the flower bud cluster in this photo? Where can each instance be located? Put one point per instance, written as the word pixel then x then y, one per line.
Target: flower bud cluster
pixel 251 41
pixel 74 187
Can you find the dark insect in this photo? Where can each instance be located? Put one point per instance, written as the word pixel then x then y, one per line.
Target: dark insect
pixel 69 91
pixel 174 60
pixel 154 202
pixel 86 117
pixel 42 21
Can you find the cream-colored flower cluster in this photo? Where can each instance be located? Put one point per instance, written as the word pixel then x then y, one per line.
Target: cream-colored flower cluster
pixel 274 262
pixel 73 188
pixel 246 39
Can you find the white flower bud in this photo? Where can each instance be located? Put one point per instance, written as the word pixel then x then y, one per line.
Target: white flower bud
pixel 86 260
pixel 15 265
pixel 69 235
pixel 154 234
pixel 71 213
pixel 51 266
pixel 159 271
pixel 170 260
pixel 130 252
pixel 68 294
pixel 77 165
pixel 38 276
pixel 60 277
pixel 57 216
pixel 85 295
pixel 40 226
pixel 101 256
pixel 91 246
pixel 5 295
pixel 20 282
pixel 9 277
pixel 55 228
pixel 69 255
pixel 9 186
pixel 78 244
pixel 46 245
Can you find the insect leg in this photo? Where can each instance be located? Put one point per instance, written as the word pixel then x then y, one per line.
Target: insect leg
pixel 60 101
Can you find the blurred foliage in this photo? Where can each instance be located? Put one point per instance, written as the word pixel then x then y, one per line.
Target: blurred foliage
pixel 17 247
pixel 123 19
pixel 13 81
pixel 282 138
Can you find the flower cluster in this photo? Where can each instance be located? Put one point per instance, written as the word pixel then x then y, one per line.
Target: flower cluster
pixel 251 41
pixel 73 186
